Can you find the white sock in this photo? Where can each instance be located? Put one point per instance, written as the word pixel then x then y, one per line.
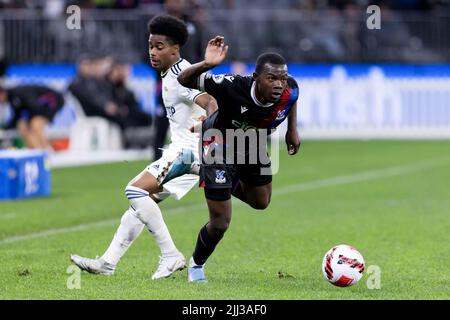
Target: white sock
pixel 129 229
pixel 192 263
pixel 150 214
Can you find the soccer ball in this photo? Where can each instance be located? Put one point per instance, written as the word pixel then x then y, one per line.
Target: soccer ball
pixel 343 265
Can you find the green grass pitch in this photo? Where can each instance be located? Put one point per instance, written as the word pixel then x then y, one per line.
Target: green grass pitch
pixel 389 199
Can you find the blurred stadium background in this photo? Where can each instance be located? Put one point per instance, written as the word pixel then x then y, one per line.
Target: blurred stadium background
pixel 389 199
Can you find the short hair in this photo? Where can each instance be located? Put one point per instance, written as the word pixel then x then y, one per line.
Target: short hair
pixel 171 27
pixel 268 57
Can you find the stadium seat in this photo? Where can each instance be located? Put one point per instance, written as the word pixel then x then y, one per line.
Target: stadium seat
pixel 92 133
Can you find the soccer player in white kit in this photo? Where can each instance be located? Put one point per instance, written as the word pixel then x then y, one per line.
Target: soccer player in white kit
pixel 176 172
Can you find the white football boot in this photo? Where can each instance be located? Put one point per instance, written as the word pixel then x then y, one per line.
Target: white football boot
pixel 95 266
pixel 168 264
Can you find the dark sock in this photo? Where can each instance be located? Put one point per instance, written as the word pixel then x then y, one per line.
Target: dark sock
pixel 205 246
pixel 236 190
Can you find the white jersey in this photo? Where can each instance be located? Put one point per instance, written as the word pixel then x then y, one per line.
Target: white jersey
pixel 180 107
pixel 182 113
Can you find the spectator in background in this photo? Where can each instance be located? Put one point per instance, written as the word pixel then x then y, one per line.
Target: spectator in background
pixel 85 87
pixel 125 98
pixel 93 91
pixel 126 4
pixel 193 49
pixel 33 108
pixel 100 87
pixel 351 30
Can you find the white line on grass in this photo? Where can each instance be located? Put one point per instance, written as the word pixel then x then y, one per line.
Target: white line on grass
pixel 51 232
pixel 7 216
pixel 88 226
pixel 362 176
pixel 311 185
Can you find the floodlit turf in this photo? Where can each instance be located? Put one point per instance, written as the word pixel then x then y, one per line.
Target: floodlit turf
pixel 390 200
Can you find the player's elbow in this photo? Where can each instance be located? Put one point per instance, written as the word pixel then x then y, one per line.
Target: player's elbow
pixel 183 80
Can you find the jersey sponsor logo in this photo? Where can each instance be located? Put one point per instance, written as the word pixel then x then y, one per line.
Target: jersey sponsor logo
pixel 243 109
pixel 170 111
pixel 242 125
pixel 220 176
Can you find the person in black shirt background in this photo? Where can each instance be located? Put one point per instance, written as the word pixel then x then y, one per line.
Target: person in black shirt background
pixel 125 98
pixel 33 108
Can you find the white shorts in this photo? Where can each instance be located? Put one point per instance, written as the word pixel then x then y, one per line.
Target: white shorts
pixel 177 187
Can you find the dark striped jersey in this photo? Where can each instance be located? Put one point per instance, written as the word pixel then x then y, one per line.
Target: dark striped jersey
pixel 238 107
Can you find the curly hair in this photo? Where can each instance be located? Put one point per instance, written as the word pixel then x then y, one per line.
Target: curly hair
pixel 169 26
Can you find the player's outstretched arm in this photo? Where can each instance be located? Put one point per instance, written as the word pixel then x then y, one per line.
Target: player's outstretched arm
pixel 215 53
pixel 292 136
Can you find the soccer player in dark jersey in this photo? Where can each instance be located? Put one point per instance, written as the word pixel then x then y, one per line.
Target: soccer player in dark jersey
pixel 258 102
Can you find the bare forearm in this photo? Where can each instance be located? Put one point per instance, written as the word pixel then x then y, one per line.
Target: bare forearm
pixel 292 118
pixel 189 77
pixel 207 102
pixel 211 107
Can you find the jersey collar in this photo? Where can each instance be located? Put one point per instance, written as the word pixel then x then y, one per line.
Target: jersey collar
pixel 253 95
pixel 163 74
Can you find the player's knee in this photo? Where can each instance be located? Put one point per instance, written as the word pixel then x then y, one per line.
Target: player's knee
pixel 219 227
pixel 261 203
pixel 133 192
pixel 38 123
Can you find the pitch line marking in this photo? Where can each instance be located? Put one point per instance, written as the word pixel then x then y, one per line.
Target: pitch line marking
pixel 305 186
pixel 7 216
pixel 362 176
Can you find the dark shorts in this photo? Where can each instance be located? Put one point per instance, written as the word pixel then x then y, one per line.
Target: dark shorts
pixel 222 167
pixel 47 113
pixel 219 179
pixel 49 105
